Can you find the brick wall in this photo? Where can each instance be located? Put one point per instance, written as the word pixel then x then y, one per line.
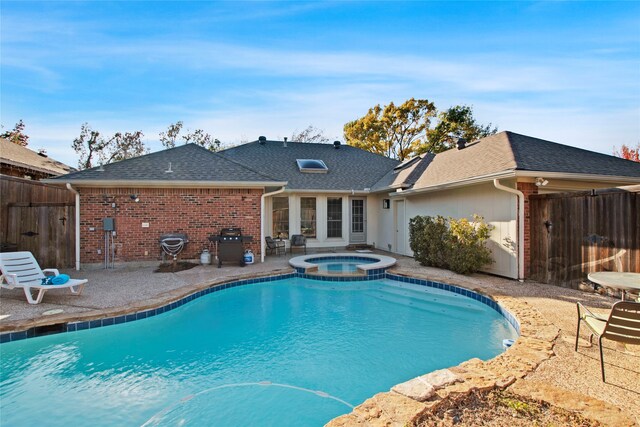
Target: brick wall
pixel 196 212
pixel 527 188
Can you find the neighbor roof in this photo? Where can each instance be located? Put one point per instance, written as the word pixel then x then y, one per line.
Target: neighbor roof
pixel 188 163
pixel 17 155
pixel 349 168
pixel 508 151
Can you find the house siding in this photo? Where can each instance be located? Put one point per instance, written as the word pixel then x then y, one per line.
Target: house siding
pixel 498 208
pixel 197 212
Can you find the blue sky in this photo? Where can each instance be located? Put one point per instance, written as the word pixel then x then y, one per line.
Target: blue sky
pixel 564 71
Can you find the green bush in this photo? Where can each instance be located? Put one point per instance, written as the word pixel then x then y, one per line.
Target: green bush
pixel 455 244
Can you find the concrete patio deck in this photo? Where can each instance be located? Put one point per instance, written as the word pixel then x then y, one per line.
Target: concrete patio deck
pixel 131 288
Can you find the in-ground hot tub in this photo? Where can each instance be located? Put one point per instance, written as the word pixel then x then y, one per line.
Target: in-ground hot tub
pixel 342 264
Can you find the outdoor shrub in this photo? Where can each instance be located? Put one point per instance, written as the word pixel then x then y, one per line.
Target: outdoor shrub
pixel 428 240
pixel 455 244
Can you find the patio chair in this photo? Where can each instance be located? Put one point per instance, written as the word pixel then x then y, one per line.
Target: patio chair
pixel 21 270
pixel 275 245
pixel 622 325
pixel 299 240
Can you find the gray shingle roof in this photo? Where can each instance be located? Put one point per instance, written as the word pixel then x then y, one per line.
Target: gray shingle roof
pixel 407 176
pixel 349 167
pixel 189 162
pixel 508 151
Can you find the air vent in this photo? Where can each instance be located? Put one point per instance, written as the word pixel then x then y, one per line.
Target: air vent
pixel 262 140
pixel 336 144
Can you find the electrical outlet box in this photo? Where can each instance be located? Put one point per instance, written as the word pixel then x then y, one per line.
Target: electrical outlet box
pixel 108 224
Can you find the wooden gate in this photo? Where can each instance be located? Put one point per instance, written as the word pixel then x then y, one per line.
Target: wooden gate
pixel 46 230
pixel 574 234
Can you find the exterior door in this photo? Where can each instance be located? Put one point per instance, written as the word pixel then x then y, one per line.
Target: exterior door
pixel 401 228
pixel 358 221
pixel 47 231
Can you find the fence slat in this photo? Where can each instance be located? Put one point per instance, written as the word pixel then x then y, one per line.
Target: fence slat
pixel 597 231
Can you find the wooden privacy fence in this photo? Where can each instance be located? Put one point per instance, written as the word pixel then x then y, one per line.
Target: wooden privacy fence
pixel 574 234
pixel 39 218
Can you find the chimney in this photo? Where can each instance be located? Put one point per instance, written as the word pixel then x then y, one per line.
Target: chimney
pixel 284 144
pixel 336 144
pixel 461 143
pixel 262 140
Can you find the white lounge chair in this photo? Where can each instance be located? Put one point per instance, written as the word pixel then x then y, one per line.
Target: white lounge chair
pixel 21 270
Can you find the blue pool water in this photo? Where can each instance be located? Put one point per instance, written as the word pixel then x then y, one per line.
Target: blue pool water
pixel 282 353
pixel 332 266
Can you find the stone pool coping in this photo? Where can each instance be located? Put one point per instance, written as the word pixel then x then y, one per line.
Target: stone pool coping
pixel 509 369
pixel 301 264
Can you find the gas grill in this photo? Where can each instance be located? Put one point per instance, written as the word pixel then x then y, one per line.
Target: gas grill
pixel 230 245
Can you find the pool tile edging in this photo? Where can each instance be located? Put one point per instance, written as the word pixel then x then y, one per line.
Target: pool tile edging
pixel 143 314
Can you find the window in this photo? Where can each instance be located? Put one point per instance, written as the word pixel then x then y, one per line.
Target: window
pixel 280 216
pixel 357 216
pixel 308 216
pixel 334 217
pixel 312 166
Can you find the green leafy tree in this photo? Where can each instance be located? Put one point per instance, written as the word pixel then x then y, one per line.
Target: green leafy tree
pixel 310 134
pixel 169 138
pixel 404 131
pixel 456 122
pixel 93 148
pixel 393 131
pixel 17 135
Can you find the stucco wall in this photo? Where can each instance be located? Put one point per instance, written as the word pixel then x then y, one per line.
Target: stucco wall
pixel 196 212
pixel 497 207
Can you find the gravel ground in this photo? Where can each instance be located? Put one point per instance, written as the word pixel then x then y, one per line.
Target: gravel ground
pixel 500 408
pixel 131 285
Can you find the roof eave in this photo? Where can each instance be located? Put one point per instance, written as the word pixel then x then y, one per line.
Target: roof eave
pixel 455 184
pixel 34 168
pixel 164 184
pixel 578 176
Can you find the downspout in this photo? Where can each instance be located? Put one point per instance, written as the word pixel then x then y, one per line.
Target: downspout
pixel 74 191
pixel 262 198
pixel 520 195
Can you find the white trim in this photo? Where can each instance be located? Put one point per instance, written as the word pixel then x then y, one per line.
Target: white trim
pixel 166 184
pixel 262 199
pixel 520 195
pixel 73 190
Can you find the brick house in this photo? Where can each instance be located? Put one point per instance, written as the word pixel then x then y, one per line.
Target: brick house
pixel 333 194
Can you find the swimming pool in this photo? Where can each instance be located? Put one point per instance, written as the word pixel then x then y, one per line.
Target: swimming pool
pixel 282 352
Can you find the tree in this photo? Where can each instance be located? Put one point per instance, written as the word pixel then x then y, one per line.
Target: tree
pixel 405 131
pixel 17 136
pixel 92 147
pixel 310 134
pixel 456 122
pixel 395 132
pixel 168 139
pixel 628 153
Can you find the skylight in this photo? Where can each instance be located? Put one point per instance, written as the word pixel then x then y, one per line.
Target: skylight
pixel 312 166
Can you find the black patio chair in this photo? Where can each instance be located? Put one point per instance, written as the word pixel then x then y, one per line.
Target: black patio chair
pixel 298 240
pixel 277 246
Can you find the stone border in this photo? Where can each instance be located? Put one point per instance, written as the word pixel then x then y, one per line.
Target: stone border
pixel 301 264
pixel 412 402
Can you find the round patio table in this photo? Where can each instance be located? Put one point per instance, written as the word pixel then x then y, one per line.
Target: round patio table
pixel 621 281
